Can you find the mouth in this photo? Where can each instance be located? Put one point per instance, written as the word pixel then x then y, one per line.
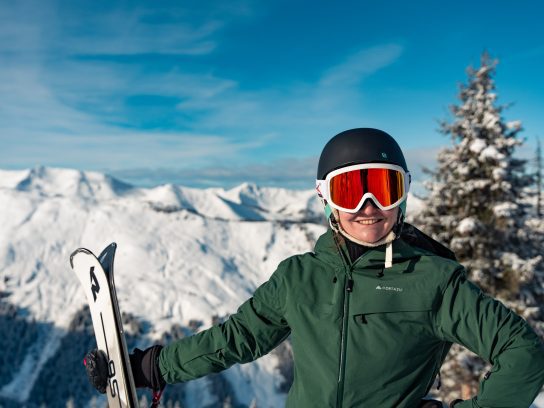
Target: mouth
pixel 369 221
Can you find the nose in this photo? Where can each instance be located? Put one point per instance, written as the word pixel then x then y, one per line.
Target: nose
pixel 369 203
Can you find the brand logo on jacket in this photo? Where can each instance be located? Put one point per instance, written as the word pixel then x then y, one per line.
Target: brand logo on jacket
pixel 389 288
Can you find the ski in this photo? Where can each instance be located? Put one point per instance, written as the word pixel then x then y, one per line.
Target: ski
pixel 96 277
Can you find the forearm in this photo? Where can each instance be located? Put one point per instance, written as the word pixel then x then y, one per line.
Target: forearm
pixel 244 337
pixel 194 357
pixel 517 375
pixel 497 334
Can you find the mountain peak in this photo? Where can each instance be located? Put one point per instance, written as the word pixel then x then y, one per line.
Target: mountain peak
pixel 55 182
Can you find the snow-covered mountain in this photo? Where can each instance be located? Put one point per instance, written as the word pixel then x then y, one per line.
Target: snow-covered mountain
pixel 186 257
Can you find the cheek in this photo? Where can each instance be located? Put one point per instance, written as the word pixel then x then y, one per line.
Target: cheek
pixel 392 217
pixel 345 218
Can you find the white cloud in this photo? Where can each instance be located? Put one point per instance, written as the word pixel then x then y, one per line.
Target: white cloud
pixel 298 173
pixel 360 65
pixel 123 32
pixel 124 150
pixel 87 28
pixel 332 101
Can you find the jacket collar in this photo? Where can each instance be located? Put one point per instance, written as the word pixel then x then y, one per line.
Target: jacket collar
pixel 328 250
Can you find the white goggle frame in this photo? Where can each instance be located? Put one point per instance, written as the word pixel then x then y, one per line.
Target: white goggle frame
pixel 323 190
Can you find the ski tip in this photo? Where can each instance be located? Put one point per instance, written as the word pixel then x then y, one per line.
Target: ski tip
pixel 77 251
pixel 108 252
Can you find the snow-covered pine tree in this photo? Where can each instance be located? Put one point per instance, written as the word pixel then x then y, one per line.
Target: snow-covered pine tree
pixel 538 176
pixel 477 205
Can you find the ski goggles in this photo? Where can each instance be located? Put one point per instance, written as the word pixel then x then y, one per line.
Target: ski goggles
pixel 346 189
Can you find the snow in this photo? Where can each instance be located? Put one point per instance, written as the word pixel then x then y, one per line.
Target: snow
pixel 477 145
pixel 539 402
pixel 499 173
pixel 491 153
pixel 505 210
pixel 490 120
pixel 413 206
pixel 467 225
pixel 245 202
pixel 10 178
pixel 514 125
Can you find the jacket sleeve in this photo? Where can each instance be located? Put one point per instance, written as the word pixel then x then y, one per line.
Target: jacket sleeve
pixel 488 328
pixel 254 330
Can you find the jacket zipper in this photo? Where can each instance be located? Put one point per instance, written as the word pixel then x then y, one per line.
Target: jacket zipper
pixel 345 319
pixel 348 288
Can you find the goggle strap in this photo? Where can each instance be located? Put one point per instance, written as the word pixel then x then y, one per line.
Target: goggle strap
pixel 328 210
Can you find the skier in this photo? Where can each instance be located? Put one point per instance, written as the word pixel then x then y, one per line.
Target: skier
pixel 372 312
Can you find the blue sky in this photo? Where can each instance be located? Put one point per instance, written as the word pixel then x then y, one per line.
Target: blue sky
pixel 213 93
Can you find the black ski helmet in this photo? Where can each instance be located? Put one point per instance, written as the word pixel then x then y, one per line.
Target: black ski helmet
pixel 356 146
pixel 359 146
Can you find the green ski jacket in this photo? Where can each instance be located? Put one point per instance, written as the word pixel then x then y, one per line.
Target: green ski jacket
pixel 365 336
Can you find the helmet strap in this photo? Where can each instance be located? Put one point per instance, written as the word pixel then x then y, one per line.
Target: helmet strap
pixel 397 229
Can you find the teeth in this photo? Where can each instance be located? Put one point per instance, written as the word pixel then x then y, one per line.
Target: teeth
pixel 369 222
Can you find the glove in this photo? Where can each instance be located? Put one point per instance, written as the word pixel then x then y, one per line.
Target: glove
pixel 145 368
pixel 144 364
pixel 430 403
pixel 96 366
pixel 455 402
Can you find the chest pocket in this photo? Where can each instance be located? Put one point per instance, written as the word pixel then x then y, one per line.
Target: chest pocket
pixel 393 323
pixel 388 305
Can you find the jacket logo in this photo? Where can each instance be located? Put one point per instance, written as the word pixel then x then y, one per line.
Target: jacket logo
pixel 389 288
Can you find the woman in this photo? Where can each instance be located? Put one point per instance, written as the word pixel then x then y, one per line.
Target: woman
pixel 372 312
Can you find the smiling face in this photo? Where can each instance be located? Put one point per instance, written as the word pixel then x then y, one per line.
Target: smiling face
pixel 369 224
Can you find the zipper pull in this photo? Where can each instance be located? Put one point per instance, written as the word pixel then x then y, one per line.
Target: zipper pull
pixel 349 286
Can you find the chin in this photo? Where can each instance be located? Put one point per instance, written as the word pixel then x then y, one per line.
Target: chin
pixel 367 238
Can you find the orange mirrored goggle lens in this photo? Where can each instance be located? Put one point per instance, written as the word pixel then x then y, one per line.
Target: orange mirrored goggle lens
pixel 347 189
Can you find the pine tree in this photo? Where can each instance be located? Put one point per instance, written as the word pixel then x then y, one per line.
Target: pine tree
pixel 538 164
pixel 477 205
